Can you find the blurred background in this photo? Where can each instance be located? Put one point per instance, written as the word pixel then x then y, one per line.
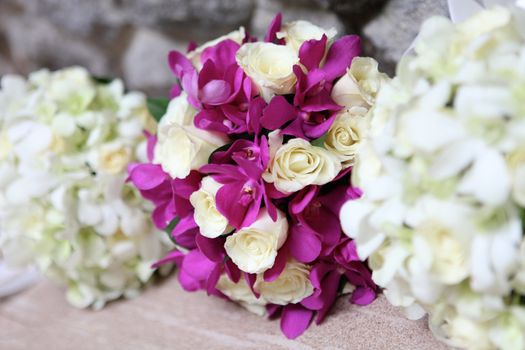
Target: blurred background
pixel 131 38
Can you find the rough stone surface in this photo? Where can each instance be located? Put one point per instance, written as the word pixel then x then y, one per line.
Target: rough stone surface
pixel 145 64
pixel 120 37
pixel 390 34
pixel 266 10
pixel 166 317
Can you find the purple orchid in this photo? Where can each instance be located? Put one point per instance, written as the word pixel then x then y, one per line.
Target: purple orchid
pixel 240 170
pixel 221 91
pixel 312 111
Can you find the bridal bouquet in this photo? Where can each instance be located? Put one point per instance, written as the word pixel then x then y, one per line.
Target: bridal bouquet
pixel 251 165
pixel 65 142
pixel 443 175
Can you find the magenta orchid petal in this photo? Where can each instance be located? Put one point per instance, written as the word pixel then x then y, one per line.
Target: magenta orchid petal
pixel 147 176
pixel 305 245
pixel 295 128
pixel 278 267
pixel 175 91
pixel 215 92
pixel 192 45
pixel 185 187
pixel 273 192
pixel 222 54
pixel 275 26
pixel 311 52
pixel 179 64
pixel 329 294
pixel 212 280
pixel 255 112
pixel 233 272
pixel 184 225
pixel 340 56
pixel 314 131
pixel 363 296
pixel 173 256
pixel 277 113
pixel 213 249
pixel 335 199
pixel 150 147
pixel 354 192
pixel 303 198
pixel 274 311
pixel 250 279
pixel 211 120
pixel 295 320
pixel 162 215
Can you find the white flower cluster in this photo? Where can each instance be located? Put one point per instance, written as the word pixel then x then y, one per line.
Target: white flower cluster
pixel 65 143
pixel 443 175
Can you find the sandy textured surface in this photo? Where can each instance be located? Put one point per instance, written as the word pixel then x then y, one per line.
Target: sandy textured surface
pixel 165 317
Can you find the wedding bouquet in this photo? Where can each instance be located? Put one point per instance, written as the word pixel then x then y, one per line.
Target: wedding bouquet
pixel 65 143
pixel 442 170
pixel 251 165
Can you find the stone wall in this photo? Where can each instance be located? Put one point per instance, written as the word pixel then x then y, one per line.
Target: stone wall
pixel 131 38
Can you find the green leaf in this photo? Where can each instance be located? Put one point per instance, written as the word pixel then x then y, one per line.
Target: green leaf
pixel 170 228
pixel 157 107
pixel 320 141
pixel 102 80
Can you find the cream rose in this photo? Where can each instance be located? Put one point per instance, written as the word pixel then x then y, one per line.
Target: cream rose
pixel 291 287
pixel 360 85
pixel 181 147
pixel 298 164
pixel 345 135
pixel 270 67
pixel 241 293
pixel 212 224
pixel 114 157
pixel 296 33
pixel 195 55
pixel 253 249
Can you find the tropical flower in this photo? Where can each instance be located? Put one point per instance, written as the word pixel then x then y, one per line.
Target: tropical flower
pixel 441 218
pixel 65 204
pixel 250 168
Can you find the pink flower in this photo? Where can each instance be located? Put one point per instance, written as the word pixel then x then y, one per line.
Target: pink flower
pixel 240 171
pixel 312 111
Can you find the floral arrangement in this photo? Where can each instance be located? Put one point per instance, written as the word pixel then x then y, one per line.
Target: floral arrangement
pixel 251 165
pixel 65 143
pixel 442 170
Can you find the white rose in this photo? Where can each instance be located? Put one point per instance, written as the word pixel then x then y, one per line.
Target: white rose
pixel 345 135
pixel 114 157
pixel 298 164
pixel 291 287
pixel 296 33
pixel 212 224
pixel 360 85
pixel 254 249
pixel 181 147
pixel 270 67
pixel 241 293
pixel 195 55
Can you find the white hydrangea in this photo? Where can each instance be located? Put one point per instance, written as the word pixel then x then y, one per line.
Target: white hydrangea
pixel 65 143
pixel 443 175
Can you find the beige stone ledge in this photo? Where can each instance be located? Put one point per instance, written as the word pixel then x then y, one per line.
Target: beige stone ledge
pixel 166 317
